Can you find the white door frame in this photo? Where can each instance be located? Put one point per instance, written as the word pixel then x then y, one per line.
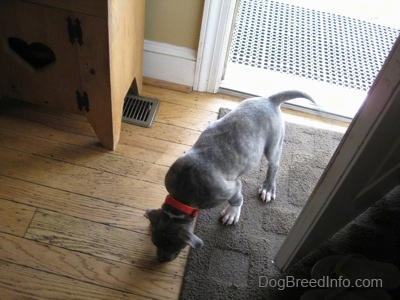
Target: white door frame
pixel 213 45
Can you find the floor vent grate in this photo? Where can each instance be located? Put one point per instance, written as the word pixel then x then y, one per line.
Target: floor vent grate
pixel 308 43
pixel 139 110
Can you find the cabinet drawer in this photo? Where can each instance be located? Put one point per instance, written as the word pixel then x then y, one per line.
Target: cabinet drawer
pixel 90 7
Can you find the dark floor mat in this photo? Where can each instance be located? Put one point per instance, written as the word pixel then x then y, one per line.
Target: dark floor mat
pixel 236 261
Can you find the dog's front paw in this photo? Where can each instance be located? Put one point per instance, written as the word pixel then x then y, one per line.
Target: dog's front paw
pixel 230 215
pixel 267 195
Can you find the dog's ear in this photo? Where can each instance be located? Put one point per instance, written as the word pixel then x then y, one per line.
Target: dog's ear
pixel 192 240
pixel 153 215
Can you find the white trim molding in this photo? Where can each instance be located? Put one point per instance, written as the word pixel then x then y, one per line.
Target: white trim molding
pixel 169 62
pixel 213 45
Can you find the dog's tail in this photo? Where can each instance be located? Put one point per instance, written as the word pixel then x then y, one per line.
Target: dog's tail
pixel 281 97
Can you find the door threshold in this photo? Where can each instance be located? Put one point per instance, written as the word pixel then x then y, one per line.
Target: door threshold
pixel 310 109
pixel 333 102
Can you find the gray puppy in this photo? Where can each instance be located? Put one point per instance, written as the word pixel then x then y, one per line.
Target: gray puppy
pixel 208 174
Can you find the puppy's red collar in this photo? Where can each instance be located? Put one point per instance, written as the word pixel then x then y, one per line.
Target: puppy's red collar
pixel 182 207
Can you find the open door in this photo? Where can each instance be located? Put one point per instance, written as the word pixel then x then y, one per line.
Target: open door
pixel 365 166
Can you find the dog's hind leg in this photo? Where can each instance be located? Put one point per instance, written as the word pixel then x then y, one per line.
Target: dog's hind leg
pixel 231 214
pixel 268 189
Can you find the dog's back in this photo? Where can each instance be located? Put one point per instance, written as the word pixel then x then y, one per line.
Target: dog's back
pixel 228 148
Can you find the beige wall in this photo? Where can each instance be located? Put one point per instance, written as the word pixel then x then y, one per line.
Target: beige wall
pixel 175 22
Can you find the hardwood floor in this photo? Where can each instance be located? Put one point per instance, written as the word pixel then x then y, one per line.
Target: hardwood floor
pixel 71 212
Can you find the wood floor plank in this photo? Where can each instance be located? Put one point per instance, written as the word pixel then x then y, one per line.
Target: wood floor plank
pixel 72 204
pixel 203 101
pixel 17 282
pixel 132 144
pixel 150 150
pixel 165 132
pixel 15 217
pixel 81 180
pixel 192 118
pixel 83 156
pixel 153 150
pixel 35 125
pixel 90 269
pixel 47 116
pixel 100 240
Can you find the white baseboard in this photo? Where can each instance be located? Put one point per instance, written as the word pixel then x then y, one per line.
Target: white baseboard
pixel 169 63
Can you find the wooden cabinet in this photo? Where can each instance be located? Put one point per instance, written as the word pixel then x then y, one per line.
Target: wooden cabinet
pixel 73 55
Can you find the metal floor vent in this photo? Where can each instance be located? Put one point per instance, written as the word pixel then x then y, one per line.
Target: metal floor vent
pixel 139 110
pixel 308 43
